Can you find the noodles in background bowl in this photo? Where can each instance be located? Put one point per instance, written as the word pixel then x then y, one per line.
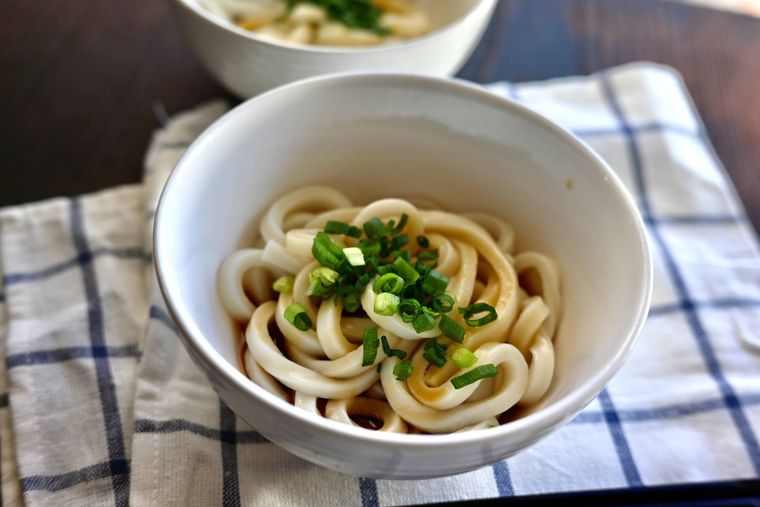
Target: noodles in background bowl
pixel 325 22
pixel 390 317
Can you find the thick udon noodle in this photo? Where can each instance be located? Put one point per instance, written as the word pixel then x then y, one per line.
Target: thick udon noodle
pixel 476 251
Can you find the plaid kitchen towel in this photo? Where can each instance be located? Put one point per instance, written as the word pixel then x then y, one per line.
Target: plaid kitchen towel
pixel 102 405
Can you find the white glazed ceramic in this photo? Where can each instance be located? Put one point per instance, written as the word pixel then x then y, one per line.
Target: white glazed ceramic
pixel 380 135
pixel 248 64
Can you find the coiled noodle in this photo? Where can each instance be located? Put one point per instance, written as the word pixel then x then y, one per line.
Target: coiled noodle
pixel 320 369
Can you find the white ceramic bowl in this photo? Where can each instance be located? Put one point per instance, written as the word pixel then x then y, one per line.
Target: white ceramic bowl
pixel 380 135
pixel 248 64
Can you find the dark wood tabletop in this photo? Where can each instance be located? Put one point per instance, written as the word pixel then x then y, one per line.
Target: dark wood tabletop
pixel 80 79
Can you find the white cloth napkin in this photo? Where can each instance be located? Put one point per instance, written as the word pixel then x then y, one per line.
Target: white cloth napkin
pixel 100 403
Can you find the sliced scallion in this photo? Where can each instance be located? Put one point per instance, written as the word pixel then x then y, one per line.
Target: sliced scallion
pixel 389 351
pixel 443 303
pixel 326 252
pixel 386 304
pixel 435 353
pixel 435 283
pixel 351 302
pixel 296 315
pixel 354 255
pixel 476 309
pixel 403 370
pixel 423 321
pixel 464 358
pixel 284 284
pixel 451 329
pixel 371 344
pixel 374 228
pixel 423 241
pixel 401 223
pixel 405 270
pixel 408 309
pixel 472 376
pixel 389 282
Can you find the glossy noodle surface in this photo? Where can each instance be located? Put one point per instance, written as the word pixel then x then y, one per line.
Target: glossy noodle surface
pixel 393 318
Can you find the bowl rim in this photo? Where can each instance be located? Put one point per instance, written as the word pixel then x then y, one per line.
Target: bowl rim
pixel 546 417
pixel 481 5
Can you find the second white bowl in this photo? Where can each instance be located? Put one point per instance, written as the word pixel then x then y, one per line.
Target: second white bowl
pixel 247 63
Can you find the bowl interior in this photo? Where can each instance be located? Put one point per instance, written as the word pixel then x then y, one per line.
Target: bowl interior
pixel 440 12
pixel 375 136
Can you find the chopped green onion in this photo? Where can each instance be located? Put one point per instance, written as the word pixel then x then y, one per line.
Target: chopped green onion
pixel 435 283
pixel 423 241
pixel 389 282
pixel 371 344
pixel 374 228
pixel 422 268
pixel 369 249
pixel 389 351
pixel 354 255
pixel 431 312
pixel 402 254
pixel 464 358
pixel 326 252
pixel 351 302
pixel 451 329
pixel 410 291
pixel 284 284
pixel 405 270
pixel 403 370
pixel 399 241
pixel 335 227
pixel 322 282
pixel 296 315
pixel 478 373
pixel 476 309
pixel 401 224
pixel 435 353
pixel 326 276
pixel 386 304
pixel 443 303
pixel 408 309
pixel 423 321
pixel 427 256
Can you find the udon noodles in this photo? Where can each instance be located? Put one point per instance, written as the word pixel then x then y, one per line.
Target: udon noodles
pixel 325 22
pixel 391 317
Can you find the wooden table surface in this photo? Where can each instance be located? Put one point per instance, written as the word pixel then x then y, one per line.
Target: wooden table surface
pixel 80 79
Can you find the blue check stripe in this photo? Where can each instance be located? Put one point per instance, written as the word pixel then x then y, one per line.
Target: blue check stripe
pixel 368 492
pixel 110 469
pixel 82 258
pixel 700 335
pixel 106 387
pixel 612 418
pixel 183 425
pixel 68 353
pixel 503 479
pixel 657 127
pixel 716 304
pixel 230 481
pixel 667 412
pixel 696 219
